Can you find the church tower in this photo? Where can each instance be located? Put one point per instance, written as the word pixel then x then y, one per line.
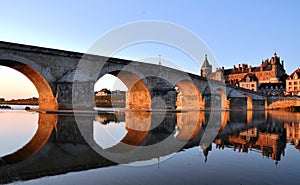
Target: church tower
pixel 206 68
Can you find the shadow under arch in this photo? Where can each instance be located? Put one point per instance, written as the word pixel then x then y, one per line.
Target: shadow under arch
pixel 47 101
pixel 189 96
pixel 46 123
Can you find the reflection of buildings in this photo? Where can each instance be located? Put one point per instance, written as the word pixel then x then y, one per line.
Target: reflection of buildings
pixel 270 141
pixel 107 118
pixel 293 134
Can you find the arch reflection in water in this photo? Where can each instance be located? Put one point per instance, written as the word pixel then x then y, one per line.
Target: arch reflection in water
pixel 46 123
pixel 189 124
pixel 65 153
pixel 17 128
pixel 121 129
pixel 143 141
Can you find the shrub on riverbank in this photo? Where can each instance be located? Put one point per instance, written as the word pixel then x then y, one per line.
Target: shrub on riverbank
pixel 5 107
pixel 293 109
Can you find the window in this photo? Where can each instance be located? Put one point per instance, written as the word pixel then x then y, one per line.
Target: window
pixel 290 83
pixel 295 83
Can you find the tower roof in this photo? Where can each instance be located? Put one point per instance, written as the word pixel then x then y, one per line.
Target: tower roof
pixel 206 63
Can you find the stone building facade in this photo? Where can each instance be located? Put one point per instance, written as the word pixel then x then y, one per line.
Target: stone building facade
pixel 270 71
pixel 250 81
pixel 270 74
pixel 293 83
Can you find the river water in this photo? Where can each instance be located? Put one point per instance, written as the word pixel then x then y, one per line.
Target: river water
pixel 232 147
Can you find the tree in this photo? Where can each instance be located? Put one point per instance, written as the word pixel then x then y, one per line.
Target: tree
pixel 2 100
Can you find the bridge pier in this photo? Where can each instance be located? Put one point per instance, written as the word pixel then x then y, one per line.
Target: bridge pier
pixel 163 96
pixel 75 94
pixel 258 104
pixel 213 101
pixel 80 96
pixel 238 103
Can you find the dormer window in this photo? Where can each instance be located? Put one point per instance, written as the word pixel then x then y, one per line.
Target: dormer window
pixel 247 79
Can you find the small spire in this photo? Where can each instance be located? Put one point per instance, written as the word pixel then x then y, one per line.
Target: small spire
pixel 275 54
pixel 205 62
pixel 159 59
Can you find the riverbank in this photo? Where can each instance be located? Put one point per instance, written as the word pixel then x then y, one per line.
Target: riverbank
pixel 18 107
pixel 28 101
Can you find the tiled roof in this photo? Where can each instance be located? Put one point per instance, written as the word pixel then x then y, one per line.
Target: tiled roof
pixel 297 72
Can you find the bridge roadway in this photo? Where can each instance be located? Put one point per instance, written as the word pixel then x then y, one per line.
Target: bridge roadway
pixel 65 80
pixel 58 146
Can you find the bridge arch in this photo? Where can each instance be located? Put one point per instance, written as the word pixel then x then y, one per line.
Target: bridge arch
pixel 47 101
pixel 223 99
pixel 249 102
pixel 188 96
pixel 138 96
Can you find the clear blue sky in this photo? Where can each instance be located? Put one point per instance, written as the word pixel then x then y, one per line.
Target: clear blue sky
pixel 235 30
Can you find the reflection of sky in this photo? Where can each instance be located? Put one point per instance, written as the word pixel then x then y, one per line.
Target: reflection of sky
pixel 16 129
pixel 223 166
pixel 109 135
pixel 188 167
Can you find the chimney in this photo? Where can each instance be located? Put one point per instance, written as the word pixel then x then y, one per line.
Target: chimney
pixel 239 68
pixel 250 69
pixel 282 63
pixel 243 68
pixel 261 67
pixel 223 68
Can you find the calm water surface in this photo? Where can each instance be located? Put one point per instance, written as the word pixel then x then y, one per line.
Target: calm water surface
pixel 213 148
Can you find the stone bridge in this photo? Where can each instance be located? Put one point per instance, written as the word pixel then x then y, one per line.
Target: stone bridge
pixel 65 80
